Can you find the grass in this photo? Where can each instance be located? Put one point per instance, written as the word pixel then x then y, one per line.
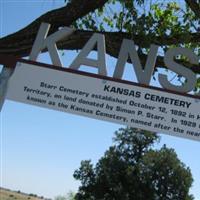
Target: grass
pixel 6 194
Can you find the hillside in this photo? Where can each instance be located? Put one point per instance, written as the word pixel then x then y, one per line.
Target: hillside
pixel 6 194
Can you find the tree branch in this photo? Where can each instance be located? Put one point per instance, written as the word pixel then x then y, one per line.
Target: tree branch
pixel 195 7
pixel 22 47
pixel 113 44
pixel 20 43
pixel 64 16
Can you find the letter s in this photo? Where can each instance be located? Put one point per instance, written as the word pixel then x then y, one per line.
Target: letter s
pixel 180 70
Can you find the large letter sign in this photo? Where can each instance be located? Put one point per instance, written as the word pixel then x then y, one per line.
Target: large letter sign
pixel 169 109
pixel 128 49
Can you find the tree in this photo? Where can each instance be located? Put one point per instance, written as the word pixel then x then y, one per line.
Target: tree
pixel 60 198
pixel 132 169
pixel 69 196
pixel 165 23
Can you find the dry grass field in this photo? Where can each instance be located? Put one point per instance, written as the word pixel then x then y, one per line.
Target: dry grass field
pixel 17 195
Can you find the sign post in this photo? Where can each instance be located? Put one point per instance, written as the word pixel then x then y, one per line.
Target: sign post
pixel 8 63
pixel 4 77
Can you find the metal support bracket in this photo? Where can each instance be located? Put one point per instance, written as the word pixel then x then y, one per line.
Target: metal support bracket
pixel 4 78
pixel 9 63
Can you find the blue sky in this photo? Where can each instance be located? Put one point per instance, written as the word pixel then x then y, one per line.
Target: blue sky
pixel 41 148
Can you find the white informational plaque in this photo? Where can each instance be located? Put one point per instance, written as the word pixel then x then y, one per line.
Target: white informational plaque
pixel 107 99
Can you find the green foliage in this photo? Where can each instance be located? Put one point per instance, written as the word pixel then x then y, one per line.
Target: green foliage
pixel 132 169
pixel 33 195
pixel 69 196
pixel 165 17
pixel 197 88
pixel 60 198
pixel 148 20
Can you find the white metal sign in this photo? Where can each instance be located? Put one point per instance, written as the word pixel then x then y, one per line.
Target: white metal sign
pixel 106 99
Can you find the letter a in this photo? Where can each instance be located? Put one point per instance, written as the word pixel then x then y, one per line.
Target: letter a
pixel 100 64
